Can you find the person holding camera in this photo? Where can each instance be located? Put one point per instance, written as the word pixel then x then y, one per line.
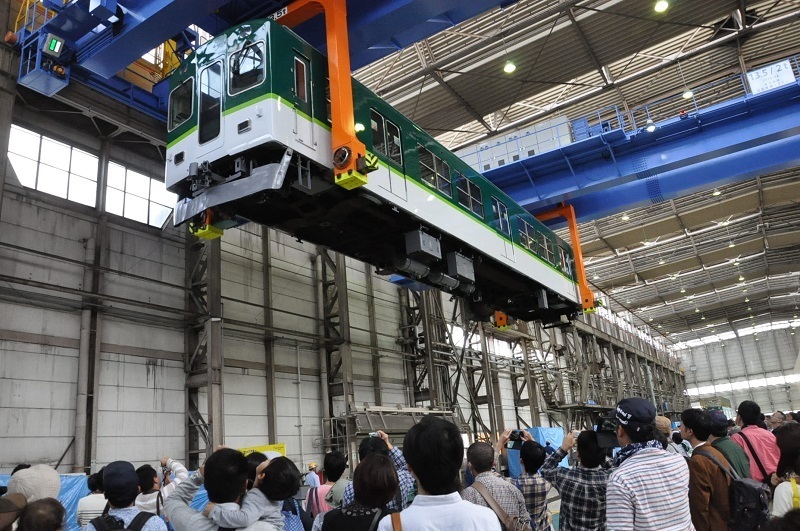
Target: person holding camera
pixel 649 488
pixel 152 490
pixel 583 488
pixel 533 486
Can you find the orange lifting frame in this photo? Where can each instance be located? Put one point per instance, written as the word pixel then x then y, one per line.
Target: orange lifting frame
pixel 343 131
pixel 567 212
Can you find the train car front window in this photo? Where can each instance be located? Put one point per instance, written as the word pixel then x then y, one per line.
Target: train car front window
pixel 210 103
pixel 247 68
pixel 501 215
pixel 180 103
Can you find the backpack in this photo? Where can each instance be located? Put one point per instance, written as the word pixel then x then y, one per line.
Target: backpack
pixel 749 499
pixel 291 519
pixel 112 523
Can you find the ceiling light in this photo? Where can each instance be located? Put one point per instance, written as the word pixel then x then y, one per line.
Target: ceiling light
pixel 792 332
pixel 756 338
pixel 741 278
pixel 660 326
pixel 650 126
pixel 509 67
pixel 744 290
pixel 746 299
pixel 687 94
pixel 736 263
pixel 661 6
pixel 683 290
pixel 715 192
pixel 751 317
pixel 703 318
pixel 749 308
pixel 596 276
pixel 651 319
pixel 625 217
pixel 697 310
pixel 661 262
pixel 731 244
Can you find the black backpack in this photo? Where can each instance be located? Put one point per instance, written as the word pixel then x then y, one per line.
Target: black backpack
pixel 749 499
pixel 112 523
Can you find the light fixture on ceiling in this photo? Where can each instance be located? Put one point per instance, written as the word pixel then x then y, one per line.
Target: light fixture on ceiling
pixel 731 244
pixel 749 308
pixel 741 278
pixel 697 310
pixel 650 125
pixel 744 290
pixel 683 290
pixel 509 67
pixel 702 317
pixel 660 326
pixel 716 192
pixel 746 299
pixel 687 92
pixel 736 263
pixel 661 6
pixel 651 319
pixel 661 262
pixel 596 277
pixel 625 217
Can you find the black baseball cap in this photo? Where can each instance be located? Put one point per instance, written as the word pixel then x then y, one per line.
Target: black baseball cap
pixel 635 413
pixel 120 480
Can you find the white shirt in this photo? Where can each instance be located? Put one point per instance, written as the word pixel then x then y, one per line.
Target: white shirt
pixel 782 501
pixel 447 512
pixel 148 502
pixel 90 507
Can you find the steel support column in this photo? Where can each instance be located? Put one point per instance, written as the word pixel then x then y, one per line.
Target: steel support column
pixel 269 342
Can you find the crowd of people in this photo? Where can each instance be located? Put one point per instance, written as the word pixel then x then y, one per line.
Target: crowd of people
pixel 651 482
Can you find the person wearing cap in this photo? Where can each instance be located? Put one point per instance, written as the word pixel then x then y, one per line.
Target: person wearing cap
pixel 758 444
pixel 121 486
pixel 709 485
pixel 312 479
pixel 649 488
pixel 732 452
pixel 664 426
pixel 11 506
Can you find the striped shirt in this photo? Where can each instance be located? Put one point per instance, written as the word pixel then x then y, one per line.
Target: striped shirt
pixel 649 491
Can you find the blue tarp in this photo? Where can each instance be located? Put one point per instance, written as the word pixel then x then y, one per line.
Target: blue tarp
pixel 73 488
pixel 540 435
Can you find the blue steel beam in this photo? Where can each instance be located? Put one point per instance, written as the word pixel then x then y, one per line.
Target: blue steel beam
pixel 604 175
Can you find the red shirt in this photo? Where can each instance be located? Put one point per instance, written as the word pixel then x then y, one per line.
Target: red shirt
pixel 763 442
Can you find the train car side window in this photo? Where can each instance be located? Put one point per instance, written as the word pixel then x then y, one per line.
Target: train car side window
pixel 378 132
pixel 247 68
pixel 210 103
pixel 469 194
pixel 500 212
pixel 181 103
pixel 300 79
pixel 527 235
pixel 394 143
pixel 566 262
pixel 434 171
pixel 546 248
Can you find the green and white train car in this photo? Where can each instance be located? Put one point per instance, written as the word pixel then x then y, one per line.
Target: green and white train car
pixel 249 138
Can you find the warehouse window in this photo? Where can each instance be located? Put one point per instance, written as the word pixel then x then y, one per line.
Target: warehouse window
pixel 52 167
pixel 434 171
pixel 138 197
pixel 546 248
pixel 527 235
pixel 500 212
pixel 247 68
pixel 181 103
pixel 469 194
pixel 210 103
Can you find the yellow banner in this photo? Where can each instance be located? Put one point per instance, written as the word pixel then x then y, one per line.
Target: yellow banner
pixel 266 449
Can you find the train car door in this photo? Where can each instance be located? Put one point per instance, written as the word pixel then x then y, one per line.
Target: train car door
pixel 503 224
pixel 210 126
pixel 303 128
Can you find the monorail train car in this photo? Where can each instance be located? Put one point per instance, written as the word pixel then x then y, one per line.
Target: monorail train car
pixel 249 140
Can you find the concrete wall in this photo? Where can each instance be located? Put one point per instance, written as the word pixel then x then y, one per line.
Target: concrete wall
pixel 766 371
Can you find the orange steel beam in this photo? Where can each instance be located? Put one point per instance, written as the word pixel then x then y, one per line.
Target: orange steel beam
pixel 348 151
pixel 567 212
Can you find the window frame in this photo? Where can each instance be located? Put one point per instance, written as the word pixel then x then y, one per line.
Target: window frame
pixel 191 105
pixel 546 251
pixel 528 232
pixel 200 103
pixel 263 49
pixel 467 195
pixel 381 131
pixel 300 59
pixel 390 142
pixel 438 177
pixel 501 216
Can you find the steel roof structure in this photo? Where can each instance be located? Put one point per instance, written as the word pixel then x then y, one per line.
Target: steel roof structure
pixel 680 267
